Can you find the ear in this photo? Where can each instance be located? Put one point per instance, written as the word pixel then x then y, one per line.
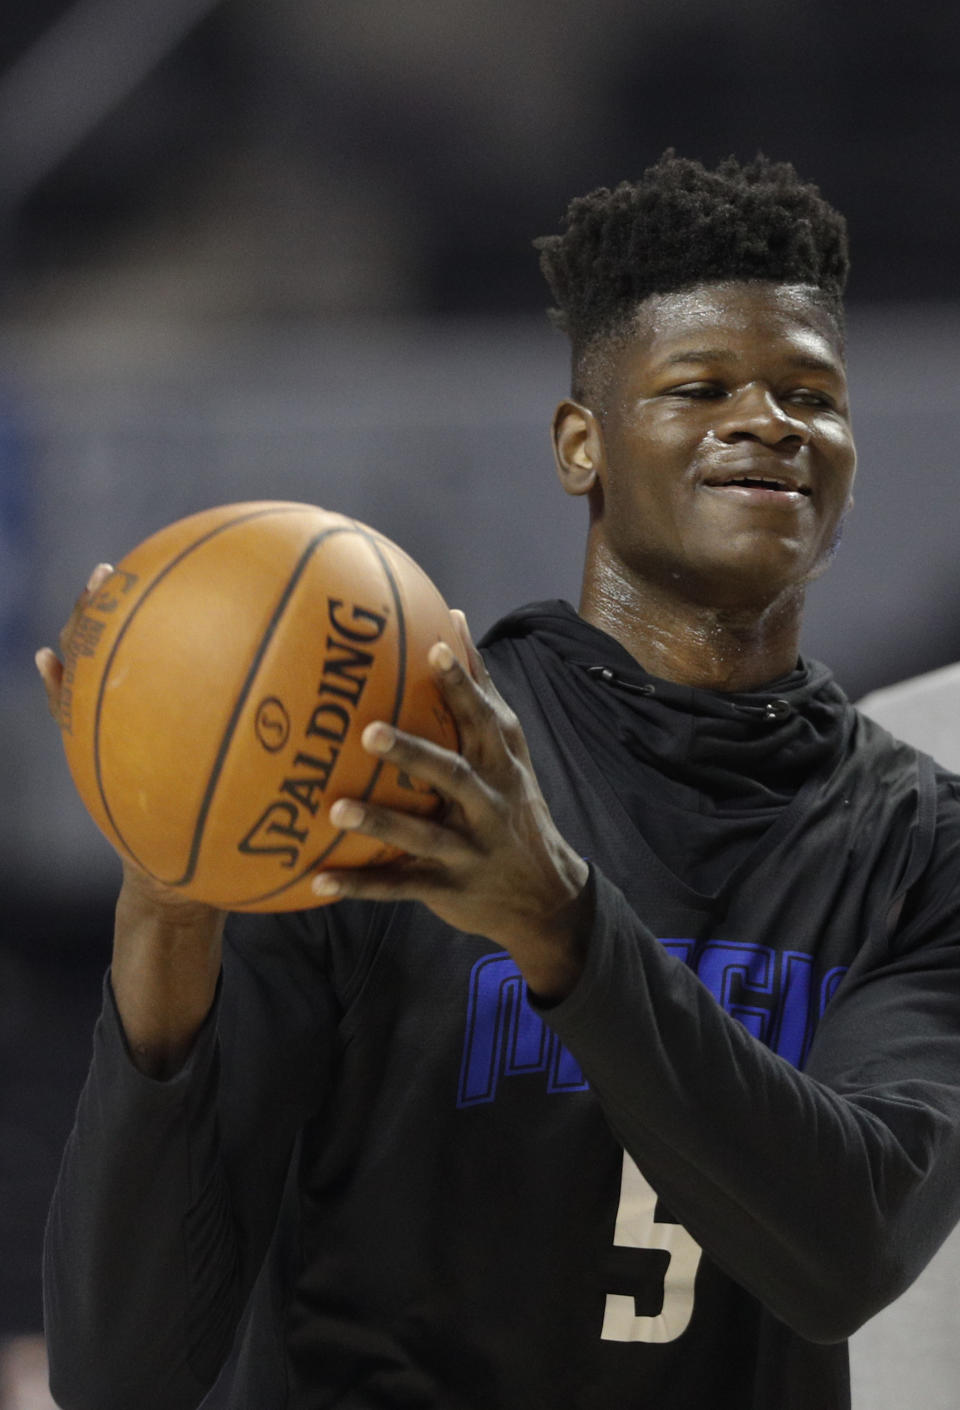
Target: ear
pixel 577 447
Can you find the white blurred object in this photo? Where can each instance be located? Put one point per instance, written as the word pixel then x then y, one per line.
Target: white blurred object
pixel 23 1374
pixel 909 1355
pixel 924 711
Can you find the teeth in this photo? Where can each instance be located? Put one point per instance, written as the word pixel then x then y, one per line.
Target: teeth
pixel 763 483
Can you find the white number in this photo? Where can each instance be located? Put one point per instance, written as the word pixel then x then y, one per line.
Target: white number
pixel 637 1228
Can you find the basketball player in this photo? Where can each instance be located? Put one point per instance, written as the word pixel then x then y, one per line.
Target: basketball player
pixel 638 1083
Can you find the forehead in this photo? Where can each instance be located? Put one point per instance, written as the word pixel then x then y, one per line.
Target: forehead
pixel 736 318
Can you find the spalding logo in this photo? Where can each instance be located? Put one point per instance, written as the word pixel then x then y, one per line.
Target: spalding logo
pixel 281 830
pixel 272 724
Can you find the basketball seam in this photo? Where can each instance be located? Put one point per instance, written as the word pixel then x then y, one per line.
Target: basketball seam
pixel 121 634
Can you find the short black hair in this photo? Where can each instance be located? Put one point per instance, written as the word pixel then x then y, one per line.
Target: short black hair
pixel 680 225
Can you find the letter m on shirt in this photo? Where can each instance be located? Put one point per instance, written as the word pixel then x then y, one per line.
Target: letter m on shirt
pixel 505 1038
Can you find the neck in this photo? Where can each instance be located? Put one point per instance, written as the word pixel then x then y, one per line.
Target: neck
pixel 730 647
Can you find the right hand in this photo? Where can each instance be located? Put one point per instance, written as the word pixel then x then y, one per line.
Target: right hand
pixel 48 662
pixel 139 887
pixel 166 946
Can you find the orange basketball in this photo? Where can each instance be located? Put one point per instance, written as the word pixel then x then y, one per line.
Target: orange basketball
pixel 216 687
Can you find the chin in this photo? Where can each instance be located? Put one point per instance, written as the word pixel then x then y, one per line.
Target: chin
pixel 751 582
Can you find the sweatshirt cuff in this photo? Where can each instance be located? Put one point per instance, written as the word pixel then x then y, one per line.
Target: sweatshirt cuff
pixel 588 995
pixel 114 1050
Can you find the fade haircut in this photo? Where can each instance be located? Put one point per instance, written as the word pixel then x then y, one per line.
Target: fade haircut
pixel 678 226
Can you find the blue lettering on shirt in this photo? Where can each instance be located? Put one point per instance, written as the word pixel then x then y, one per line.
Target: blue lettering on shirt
pixel 505 1037
pixel 771 992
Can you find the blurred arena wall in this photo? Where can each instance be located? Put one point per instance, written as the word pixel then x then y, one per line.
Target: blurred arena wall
pixel 437 433
pixel 284 251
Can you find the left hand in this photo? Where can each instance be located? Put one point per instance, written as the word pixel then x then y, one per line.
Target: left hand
pixel 493 862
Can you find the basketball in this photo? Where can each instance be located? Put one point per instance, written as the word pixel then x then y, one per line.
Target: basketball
pixel 216 687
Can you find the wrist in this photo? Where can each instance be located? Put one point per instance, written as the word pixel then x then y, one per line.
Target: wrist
pixel 142 900
pixel 552 958
pixel 164 972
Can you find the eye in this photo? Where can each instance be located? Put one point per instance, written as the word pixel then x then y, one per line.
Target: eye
pixel 809 396
pixel 696 391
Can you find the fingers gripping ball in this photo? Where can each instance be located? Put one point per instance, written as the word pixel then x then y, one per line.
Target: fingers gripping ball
pixel 216 687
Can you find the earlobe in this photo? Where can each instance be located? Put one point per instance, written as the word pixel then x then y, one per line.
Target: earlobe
pixel 577 447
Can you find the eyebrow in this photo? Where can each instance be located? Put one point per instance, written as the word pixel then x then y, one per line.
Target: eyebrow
pixel 807 361
pixel 698 355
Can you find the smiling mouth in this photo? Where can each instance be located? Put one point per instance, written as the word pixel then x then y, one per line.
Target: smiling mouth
pixel 759 482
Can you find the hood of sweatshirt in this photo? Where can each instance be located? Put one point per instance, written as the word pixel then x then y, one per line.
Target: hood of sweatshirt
pixel 736 751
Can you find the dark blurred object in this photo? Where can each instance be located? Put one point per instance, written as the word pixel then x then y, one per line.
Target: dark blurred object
pixel 446 136
pixel 17 544
pixel 52 963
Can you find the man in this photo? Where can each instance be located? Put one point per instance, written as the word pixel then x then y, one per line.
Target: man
pixel 640 1084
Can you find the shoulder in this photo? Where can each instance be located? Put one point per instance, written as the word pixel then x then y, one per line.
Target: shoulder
pixel 913 786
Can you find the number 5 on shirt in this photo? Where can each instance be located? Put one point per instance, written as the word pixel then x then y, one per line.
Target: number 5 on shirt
pixel 636 1227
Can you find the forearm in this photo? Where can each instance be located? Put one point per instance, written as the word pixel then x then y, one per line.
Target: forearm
pixel 166 962
pixel 123 1271
pixel 141 1167
pixel 821 1197
pixel 169 1188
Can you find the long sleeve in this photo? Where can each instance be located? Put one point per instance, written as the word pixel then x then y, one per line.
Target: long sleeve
pixel 824 1191
pixel 169 1190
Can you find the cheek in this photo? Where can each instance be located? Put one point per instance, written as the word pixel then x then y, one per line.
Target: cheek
pixel 647 456
pixel 840 473
pixel 835 464
pixel 642 499
pixel 838 451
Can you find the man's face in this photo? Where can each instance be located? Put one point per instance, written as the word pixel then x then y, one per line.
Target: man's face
pixel 726 459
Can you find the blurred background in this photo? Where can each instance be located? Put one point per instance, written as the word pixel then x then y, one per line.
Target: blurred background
pixel 284 251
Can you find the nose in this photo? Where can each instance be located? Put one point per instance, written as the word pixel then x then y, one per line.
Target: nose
pixel 753 413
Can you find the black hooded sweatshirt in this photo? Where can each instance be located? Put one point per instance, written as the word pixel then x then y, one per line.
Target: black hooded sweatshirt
pixel 680 1188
